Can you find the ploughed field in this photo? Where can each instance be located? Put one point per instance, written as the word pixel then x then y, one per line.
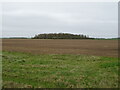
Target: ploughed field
pixel 49 46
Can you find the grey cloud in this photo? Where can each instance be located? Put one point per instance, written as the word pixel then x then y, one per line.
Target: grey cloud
pixel 28 19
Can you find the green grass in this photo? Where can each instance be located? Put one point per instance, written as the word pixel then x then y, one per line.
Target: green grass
pixel 58 71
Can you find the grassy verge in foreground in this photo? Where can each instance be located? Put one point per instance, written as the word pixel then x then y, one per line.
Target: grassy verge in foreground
pixel 22 70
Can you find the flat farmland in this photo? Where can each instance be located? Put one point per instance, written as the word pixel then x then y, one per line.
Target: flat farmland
pixel 42 46
pixel 38 63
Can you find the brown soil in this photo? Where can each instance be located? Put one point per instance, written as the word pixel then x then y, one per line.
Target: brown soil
pixel 37 46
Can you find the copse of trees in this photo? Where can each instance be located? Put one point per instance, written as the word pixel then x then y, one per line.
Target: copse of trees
pixel 60 36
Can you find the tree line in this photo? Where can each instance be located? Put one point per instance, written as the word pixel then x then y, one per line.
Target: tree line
pixel 60 36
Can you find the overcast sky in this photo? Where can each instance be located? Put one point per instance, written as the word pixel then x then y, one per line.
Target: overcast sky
pixel 96 19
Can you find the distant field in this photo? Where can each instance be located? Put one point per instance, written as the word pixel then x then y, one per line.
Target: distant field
pixel 22 70
pixel 38 46
pixel 33 63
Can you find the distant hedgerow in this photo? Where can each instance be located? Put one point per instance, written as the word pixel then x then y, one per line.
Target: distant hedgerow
pixel 60 36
